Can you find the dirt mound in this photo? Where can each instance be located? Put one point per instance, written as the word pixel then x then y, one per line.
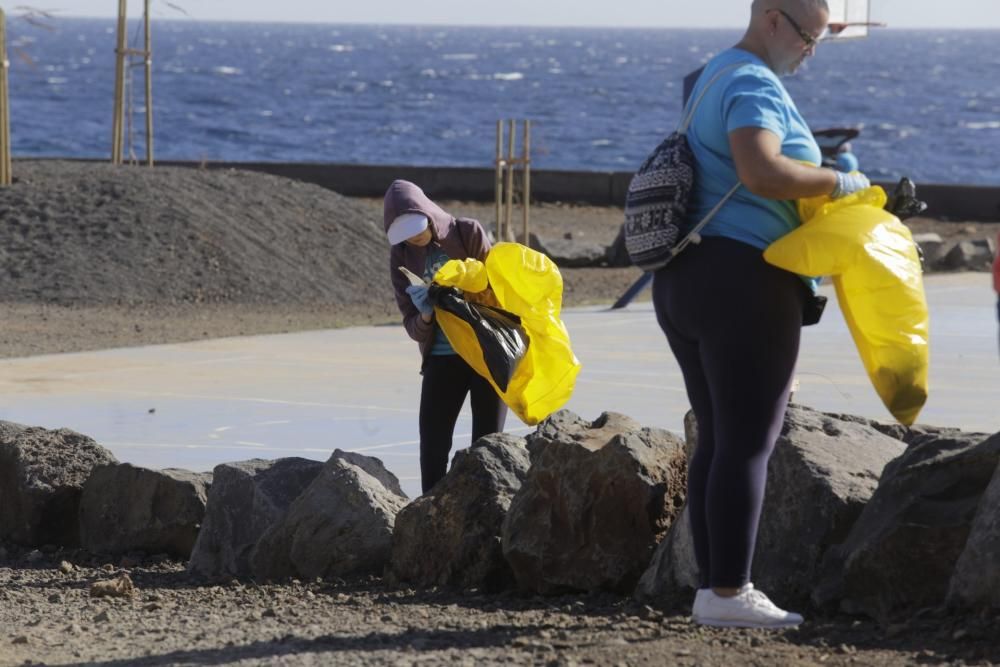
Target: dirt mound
pixel 74 233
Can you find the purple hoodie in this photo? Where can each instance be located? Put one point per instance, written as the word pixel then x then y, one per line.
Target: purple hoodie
pixel 459 238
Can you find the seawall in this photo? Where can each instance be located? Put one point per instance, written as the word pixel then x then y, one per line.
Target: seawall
pixel 946 201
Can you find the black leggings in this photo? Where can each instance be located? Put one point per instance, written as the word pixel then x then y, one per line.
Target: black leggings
pixel 447 380
pixel 733 322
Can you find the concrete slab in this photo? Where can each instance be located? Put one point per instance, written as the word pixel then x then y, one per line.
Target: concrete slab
pixel 195 405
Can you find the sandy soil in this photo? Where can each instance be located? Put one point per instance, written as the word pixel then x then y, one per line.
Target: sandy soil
pixel 94 257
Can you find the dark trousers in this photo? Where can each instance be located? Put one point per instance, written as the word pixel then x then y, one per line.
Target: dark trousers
pixel 447 381
pixel 733 322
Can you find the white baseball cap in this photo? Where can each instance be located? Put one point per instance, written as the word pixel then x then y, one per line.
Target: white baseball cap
pixel 406 226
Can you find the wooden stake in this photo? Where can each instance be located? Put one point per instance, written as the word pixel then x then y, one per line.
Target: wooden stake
pixel 508 234
pixel 117 118
pixel 149 89
pixel 498 186
pixel 5 166
pixel 526 161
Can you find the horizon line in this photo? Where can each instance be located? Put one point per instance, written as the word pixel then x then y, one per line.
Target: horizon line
pixel 55 15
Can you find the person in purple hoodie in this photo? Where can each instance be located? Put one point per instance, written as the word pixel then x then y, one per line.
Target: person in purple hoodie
pixel 423 237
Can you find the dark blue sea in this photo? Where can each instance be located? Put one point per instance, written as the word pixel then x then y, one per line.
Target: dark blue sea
pixel 928 102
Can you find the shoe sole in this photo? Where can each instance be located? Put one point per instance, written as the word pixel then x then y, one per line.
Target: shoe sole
pixel 780 625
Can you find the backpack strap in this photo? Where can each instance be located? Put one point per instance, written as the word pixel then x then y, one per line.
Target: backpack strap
pixel 693 236
pixel 694 105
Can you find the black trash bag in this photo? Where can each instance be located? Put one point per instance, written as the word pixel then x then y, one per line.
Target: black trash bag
pixel 903 202
pixel 499 332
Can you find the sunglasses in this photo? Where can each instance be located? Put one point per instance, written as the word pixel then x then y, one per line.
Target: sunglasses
pixel 809 41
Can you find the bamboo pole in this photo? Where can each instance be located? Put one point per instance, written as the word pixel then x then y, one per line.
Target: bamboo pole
pixel 526 161
pixel 5 166
pixel 116 122
pixel 149 89
pixel 510 182
pixel 498 186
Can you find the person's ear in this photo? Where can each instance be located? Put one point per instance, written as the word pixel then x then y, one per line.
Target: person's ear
pixel 772 22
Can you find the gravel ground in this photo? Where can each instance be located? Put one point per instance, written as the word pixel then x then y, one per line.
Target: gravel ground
pixel 48 616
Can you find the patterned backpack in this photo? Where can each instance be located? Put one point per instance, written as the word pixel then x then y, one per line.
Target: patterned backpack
pixel 657 199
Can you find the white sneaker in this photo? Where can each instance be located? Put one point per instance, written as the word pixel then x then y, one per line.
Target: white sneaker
pixel 747 609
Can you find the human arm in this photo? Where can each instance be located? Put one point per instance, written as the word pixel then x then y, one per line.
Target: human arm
pixel 417 325
pixel 765 172
pixel 759 117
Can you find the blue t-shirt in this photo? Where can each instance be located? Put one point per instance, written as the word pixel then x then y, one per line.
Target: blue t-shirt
pixel 436 258
pixel 747 96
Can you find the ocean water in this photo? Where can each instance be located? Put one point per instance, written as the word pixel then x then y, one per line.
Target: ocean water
pixel 927 102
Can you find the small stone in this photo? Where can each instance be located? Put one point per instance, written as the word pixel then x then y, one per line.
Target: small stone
pixel 55 597
pixel 20 639
pixel 120 587
pixel 66 567
pixel 270 612
pixel 961 633
pixel 254 615
pixel 108 567
pixel 103 617
pixel 152 606
pixel 34 556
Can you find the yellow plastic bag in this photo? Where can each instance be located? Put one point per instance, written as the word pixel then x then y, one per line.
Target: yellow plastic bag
pixel 529 285
pixel 876 272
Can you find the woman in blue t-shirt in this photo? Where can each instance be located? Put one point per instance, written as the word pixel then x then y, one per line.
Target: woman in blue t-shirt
pixel 732 320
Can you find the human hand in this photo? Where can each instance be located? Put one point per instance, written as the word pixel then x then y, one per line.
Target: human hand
pixel 849 184
pixel 421 299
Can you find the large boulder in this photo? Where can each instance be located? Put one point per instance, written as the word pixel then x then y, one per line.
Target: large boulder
pixel 451 535
pixel 246 499
pixel 597 499
pixel 904 547
pixel 340 525
pixel 673 571
pixel 976 580
pixel 569 252
pixel 127 508
pixel 970 255
pixel 42 473
pixel 373 467
pixel 823 471
pixel 917 433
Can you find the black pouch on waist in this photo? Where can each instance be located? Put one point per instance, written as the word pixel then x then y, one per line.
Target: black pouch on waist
pixel 812 309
